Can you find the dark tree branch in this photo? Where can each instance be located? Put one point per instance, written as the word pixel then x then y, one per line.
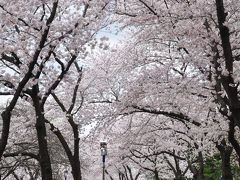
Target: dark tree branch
pixel 41 66
pixel 125 14
pixel 59 61
pixel 6 93
pixel 178 116
pixel 170 164
pixel 149 8
pixel 19 19
pixel 159 153
pixel 232 139
pixel 22 153
pixel 141 155
pixel 13 59
pixel 111 178
pixel 58 101
pixel 7 84
pixel 60 77
pixel 140 164
pixel 64 143
pixel 74 96
pixel 6 114
pixel 60 38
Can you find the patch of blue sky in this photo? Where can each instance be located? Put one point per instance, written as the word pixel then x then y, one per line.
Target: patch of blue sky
pixel 114 34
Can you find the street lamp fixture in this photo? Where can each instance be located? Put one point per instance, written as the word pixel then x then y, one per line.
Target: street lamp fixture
pixel 103 148
pixel 65 174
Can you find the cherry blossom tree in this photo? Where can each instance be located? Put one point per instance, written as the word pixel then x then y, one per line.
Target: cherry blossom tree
pixel 181 65
pixel 40 40
pixel 21 156
pixel 173 87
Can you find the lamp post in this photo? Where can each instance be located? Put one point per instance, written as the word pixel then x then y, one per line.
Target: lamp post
pixel 103 148
pixel 65 174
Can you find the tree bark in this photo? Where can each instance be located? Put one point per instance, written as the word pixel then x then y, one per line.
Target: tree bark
pixel 76 169
pixel 225 153
pixel 227 80
pixel 6 115
pixel 178 175
pixel 73 158
pixel 200 174
pixel 44 158
pixel 232 139
pixel 197 172
pixel 156 175
pixel 226 165
pixel 76 166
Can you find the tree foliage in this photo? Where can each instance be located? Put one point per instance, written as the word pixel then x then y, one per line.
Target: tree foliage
pixel 166 98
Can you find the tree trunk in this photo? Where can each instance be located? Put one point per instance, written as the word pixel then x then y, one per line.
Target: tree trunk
pixel 200 174
pixel 76 166
pixel 227 80
pixel 156 175
pixel 232 139
pixel 225 153
pixel 72 157
pixel 178 177
pixel 178 172
pixel 6 116
pixel 197 172
pixel 226 165
pixel 44 158
pixel 76 172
